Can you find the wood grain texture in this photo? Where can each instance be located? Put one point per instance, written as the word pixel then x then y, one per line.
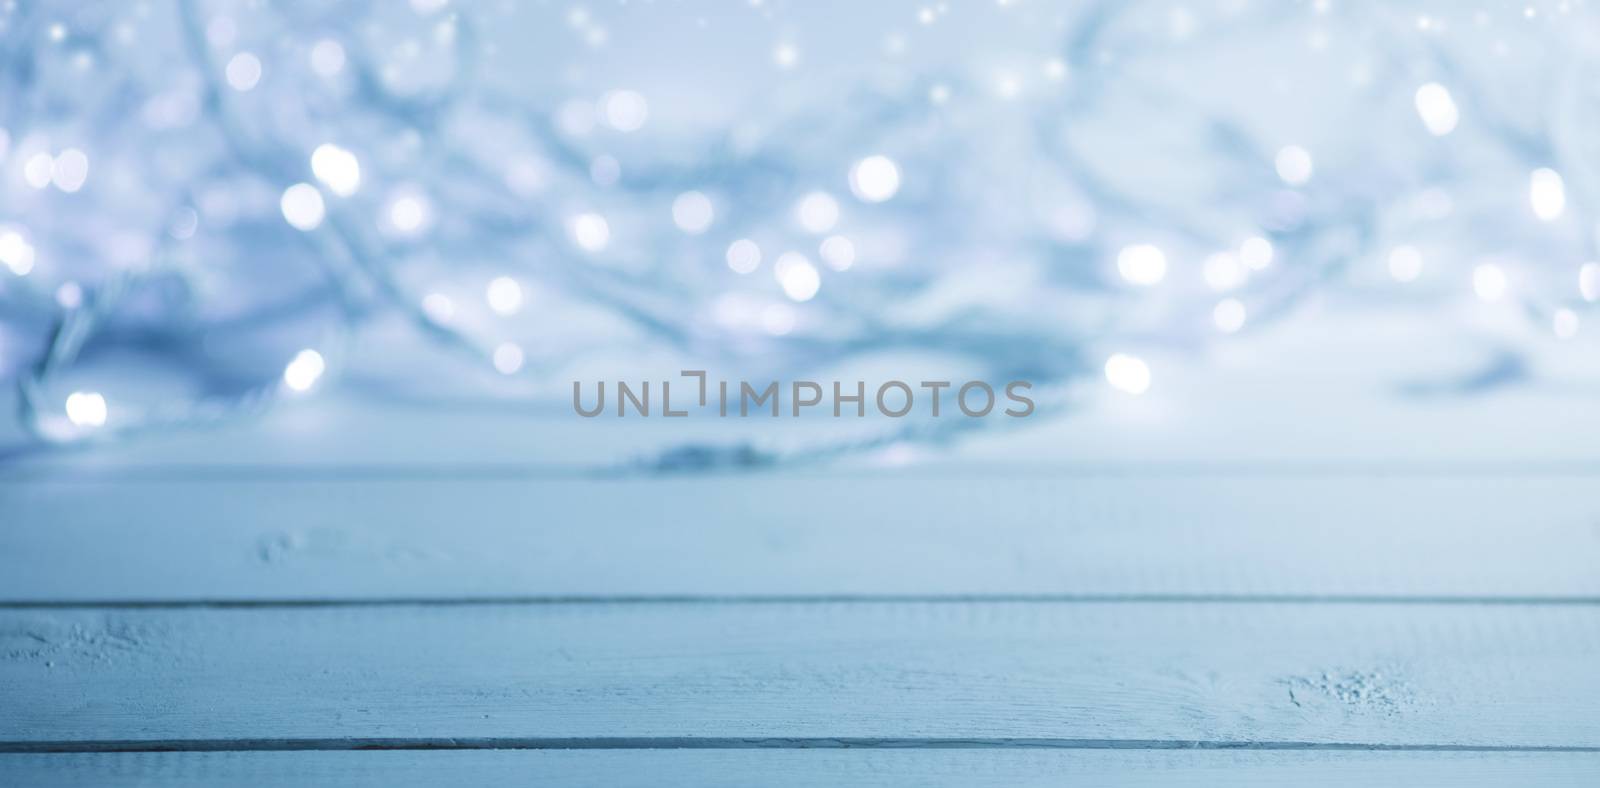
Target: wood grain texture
pixel 1363 535
pixel 1135 673
pixel 842 768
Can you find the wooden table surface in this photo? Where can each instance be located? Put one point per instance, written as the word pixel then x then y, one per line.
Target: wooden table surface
pixel 282 603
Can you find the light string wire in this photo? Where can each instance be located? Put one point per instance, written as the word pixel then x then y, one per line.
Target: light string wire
pixel 1333 220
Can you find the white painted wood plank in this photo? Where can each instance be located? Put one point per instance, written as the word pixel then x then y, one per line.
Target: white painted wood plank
pixel 778 768
pixel 1456 675
pixel 832 534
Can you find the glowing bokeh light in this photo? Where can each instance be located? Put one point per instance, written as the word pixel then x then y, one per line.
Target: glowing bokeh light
pixel 1142 264
pixel 86 409
pixel 875 179
pixel 743 256
pixel 303 371
pixel 302 207
pixel 1127 373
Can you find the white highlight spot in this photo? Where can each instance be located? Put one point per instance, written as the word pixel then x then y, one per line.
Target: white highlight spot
pixel 38 170
pixel 1223 271
pixel 818 212
pixel 693 212
pixel 624 110
pixel 16 252
pixel 1437 109
pixel 336 167
pixel 71 170
pixel 605 170
pixel 1564 323
pixel 590 232
pixel 410 212
pixel 69 295
pixel 1547 194
pixel 438 307
pixel 86 409
pixel 1128 373
pixel 1294 165
pixel 838 252
pixel 1489 282
pixel 1229 315
pixel 302 206
pixel 785 56
pixel 327 57
pixel 875 179
pixel 303 370
pixel 1588 281
pixel 504 295
pixel 1405 263
pixel 508 358
pixel 1256 253
pixel 1142 264
pixel 743 256
pixel 243 71
pixel 797 276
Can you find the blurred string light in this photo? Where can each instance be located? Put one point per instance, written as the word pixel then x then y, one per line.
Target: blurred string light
pixel 875 178
pixel 1589 281
pixel 1564 323
pixel 337 168
pixel 743 256
pixel 838 252
pixel 86 408
pixel 302 207
pixel 508 358
pixel 1127 373
pixel 1142 264
pixel 1294 164
pixel 1489 281
pixel 1405 263
pixel 1547 193
pixel 591 232
pixel 1437 109
pixel 1228 315
pixel 817 212
pixel 693 212
pixel 625 110
pixel 370 148
pixel 504 295
pixel 797 276
pixel 304 370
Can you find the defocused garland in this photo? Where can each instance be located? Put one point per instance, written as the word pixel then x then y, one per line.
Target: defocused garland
pixel 179 177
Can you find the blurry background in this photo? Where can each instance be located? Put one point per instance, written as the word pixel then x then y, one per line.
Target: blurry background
pixel 1207 231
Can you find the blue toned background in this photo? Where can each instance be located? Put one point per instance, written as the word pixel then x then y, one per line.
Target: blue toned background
pixel 293 296
pixel 212 207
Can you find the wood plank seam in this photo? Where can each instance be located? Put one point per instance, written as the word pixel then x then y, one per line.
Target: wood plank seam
pixel 804 599
pixel 734 743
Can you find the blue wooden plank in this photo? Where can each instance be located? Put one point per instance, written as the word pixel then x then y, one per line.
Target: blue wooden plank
pixel 1123 674
pixel 779 768
pixel 824 534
